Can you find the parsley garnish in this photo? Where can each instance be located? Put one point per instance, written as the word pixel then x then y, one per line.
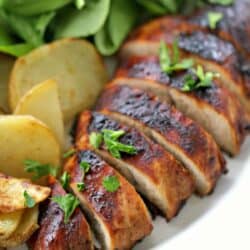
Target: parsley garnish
pixel 168 64
pixel 214 18
pixel 85 166
pixel 68 203
pixel 80 186
pixel 111 183
pixel 39 169
pixel 69 153
pixel 198 80
pixel 222 2
pixel 65 178
pixel 29 201
pixel 95 139
pixel 115 147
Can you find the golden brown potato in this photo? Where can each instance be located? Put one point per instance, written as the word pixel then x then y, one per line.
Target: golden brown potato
pixel 42 102
pixel 25 138
pixel 74 64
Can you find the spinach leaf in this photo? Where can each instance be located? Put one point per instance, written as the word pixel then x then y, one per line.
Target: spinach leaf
pixel 122 17
pixel 17 50
pixel 71 22
pixel 33 7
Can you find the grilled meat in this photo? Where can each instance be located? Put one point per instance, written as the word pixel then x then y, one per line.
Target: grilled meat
pixel 154 172
pixel 214 53
pixel 178 134
pixel 215 108
pixel 54 234
pixel 120 218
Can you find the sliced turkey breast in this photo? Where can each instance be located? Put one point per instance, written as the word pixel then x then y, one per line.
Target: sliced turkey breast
pixel 54 233
pixel 118 216
pixel 215 108
pixel 185 139
pixel 155 173
pixel 214 53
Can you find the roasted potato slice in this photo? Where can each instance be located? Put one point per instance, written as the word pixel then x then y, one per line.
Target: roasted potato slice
pixel 9 223
pixel 73 63
pixel 27 226
pixel 23 138
pixel 42 102
pixel 12 193
pixel 6 64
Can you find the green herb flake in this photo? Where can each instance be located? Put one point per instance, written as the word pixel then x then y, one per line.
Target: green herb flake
pixel 168 64
pixel 85 166
pixel 95 139
pixel 80 4
pixel 200 79
pixel 39 170
pixel 65 178
pixel 29 201
pixel 111 183
pixel 69 153
pixel 81 186
pixel 214 18
pixel 115 147
pixel 68 203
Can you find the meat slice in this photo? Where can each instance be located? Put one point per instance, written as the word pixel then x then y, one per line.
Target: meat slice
pixel 215 108
pixel 185 139
pixel 54 234
pixel 119 217
pixel 214 53
pixel 154 172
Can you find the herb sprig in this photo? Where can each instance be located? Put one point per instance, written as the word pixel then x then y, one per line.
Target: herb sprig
pixel 65 178
pixel 111 183
pixel 29 201
pixel 214 18
pixel 170 64
pixel 199 79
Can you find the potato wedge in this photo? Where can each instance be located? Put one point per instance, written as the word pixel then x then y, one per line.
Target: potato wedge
pixel 9 223
pixel 27 226
pixel 6 64
pixel 73 63
pixel 12 193
pixel 23 138
pixel 42 102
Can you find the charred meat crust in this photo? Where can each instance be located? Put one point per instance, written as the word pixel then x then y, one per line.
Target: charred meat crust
pixel 177 129
pixel 148 67
pixel 122 212
pixel 166 174
pixel 54 234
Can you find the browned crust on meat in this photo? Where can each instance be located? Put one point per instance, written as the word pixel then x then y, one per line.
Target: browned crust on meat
pixel 54 234
pixel 217 97
pixel 122 212
pixel 178 130
pixel 173 181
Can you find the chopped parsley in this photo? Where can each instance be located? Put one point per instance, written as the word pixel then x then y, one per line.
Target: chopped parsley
pixel 85 166
pixel 198 80
pixel 69 153
pixel 95 139
pixel 168 64
pixel 65 178
pixel 221 2
pixel 29 201
pixel 39 170
pixel 68 203
pixel 214 18
pixel 80 186
pixel 111 183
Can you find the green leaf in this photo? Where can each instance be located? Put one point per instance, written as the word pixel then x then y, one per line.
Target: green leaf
pixel 122 18
pixel 111 183
pixel 164 55
pixel 29 201
pixel 221 2
pixel 71 22
pixel 69 153
pixel 80 4
pixel 81 186
pixel 68 203
pixel 170 5
pixel 65 178
pixel 182 65
pixel 153 7
pixel 33 7
pixel 39 170
pixel 95 139
pixel 16 49
pixel 214 18
pixel 85 166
